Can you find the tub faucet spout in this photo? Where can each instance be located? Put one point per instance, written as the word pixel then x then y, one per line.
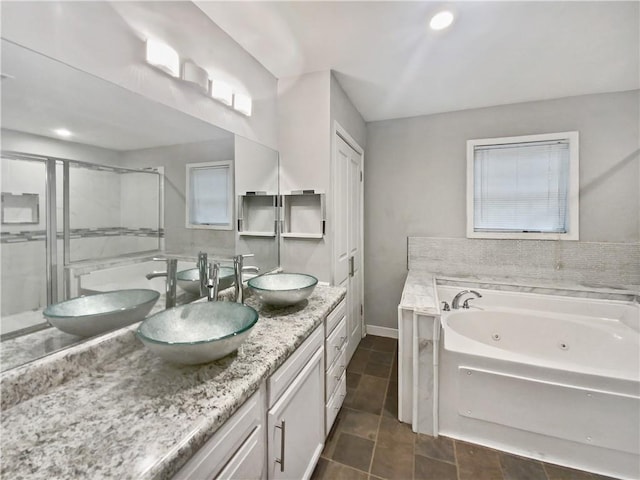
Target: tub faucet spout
pixel 455 303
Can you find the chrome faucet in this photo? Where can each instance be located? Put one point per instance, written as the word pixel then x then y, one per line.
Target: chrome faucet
pixel 172 279
pixel 212 282
pixel 237 270
pixel 202 273
pixel 455 303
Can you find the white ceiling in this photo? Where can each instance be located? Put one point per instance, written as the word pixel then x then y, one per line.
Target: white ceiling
pixel 391 65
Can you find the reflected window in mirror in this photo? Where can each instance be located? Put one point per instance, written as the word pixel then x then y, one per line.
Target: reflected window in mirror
pixel 210 195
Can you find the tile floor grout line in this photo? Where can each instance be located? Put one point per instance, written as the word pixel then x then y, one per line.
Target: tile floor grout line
pixel 375 443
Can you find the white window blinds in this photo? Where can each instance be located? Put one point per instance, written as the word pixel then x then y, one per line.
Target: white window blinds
pixel 209 195
pixel 521 187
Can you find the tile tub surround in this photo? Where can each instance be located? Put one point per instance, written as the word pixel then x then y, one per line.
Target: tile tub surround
pixel 132 415
pixel 591 264
pixel 368 443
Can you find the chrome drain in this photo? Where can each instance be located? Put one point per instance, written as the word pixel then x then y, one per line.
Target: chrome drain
pixel 563 345
pixel 495 337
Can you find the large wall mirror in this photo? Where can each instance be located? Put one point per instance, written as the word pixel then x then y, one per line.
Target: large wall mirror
pixel 94 186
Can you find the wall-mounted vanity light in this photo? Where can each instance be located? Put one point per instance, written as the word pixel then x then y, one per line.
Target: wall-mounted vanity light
pixel 196 75
pixel 242 103
pixel 162 56
pixel 222 92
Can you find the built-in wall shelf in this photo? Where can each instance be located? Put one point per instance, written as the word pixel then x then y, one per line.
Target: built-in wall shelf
pixel 20 208
pixel 258 214
pixel 303 214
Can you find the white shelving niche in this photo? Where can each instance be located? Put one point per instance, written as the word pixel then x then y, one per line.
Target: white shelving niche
pixel 258 214
pixel 303 214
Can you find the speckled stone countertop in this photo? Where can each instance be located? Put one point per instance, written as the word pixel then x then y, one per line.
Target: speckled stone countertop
pixel 124 413
pixel 419 291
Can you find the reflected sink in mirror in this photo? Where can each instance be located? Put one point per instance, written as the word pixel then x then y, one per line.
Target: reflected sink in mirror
pixel 94 314
pixel 283 289
pixel 189 280
pixel 199 332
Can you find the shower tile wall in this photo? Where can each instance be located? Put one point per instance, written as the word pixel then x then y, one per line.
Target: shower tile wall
pixel 108 218
pixel 585 263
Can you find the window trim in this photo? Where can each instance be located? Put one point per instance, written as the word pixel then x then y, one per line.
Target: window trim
pixel 574 179
pixel 230 199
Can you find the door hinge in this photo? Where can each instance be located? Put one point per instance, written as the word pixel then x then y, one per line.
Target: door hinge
pixel 361 309
pixel 360 175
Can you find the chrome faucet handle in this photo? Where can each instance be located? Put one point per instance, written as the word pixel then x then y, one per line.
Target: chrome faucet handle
pixel 212 282
pixel 446 307
pixel 237 270
pixel 202 273
pixel 172 280
pixel 465 304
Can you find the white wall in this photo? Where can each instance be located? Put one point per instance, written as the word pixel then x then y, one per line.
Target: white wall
pixel 305 153
pixel 178 238
pixel 416 184
pixel 308 106
pixel 107 39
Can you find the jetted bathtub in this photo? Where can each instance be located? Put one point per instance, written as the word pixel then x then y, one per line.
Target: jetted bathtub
pixel 550 377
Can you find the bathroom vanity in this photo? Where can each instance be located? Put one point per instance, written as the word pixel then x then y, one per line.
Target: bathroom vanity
pixel 109 408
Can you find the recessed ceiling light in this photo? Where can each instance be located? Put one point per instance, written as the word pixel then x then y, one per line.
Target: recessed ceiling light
pixel 441 20
pixel 62 132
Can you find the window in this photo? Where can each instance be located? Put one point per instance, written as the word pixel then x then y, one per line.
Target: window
pixel 523 187
pixel 210 195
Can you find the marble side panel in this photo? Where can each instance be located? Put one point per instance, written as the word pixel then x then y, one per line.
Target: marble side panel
pixel 133 415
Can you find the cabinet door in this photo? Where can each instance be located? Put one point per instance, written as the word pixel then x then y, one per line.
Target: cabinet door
pixel 296 424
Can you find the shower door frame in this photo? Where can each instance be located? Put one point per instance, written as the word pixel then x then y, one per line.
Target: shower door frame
pixel 51 214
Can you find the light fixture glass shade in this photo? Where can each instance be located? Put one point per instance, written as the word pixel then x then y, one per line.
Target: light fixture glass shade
pixel 162 56
pixel 242 103
pixel 222 92
pixel 196 75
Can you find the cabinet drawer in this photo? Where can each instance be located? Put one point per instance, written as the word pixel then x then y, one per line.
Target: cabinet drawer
pixel 335 316
pixel 334 374
pixel 282 378
pixel 248 462
pixel 219 449
pixel 336 341
pixel 334 404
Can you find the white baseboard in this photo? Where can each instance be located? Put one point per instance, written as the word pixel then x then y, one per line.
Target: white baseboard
pixel 382 331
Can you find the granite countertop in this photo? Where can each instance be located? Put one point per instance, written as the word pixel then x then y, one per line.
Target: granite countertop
pixel 31 346
pixel 128 414
pixel 419 292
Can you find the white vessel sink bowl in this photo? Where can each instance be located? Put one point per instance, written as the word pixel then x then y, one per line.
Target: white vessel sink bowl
pixel 282 289
pixel 101 312
pixel 189 280
pixel 198 332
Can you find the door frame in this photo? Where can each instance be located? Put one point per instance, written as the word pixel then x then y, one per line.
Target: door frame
pixel 339 130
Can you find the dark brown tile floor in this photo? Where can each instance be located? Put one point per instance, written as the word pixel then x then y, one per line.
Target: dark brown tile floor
pixel 367 442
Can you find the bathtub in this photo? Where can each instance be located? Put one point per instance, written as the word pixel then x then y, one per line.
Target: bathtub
pixel 129 273
pixel 549 377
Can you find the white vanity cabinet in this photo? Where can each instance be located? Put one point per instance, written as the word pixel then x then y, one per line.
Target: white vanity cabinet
pixel 295 420
pixel 336 362
pixel 237 450
pixel 279 432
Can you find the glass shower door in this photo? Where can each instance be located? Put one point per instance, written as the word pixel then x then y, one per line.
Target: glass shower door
pixel 29 251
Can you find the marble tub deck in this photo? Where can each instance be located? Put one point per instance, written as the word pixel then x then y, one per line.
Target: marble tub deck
pixel 133 415
pixel 419 293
